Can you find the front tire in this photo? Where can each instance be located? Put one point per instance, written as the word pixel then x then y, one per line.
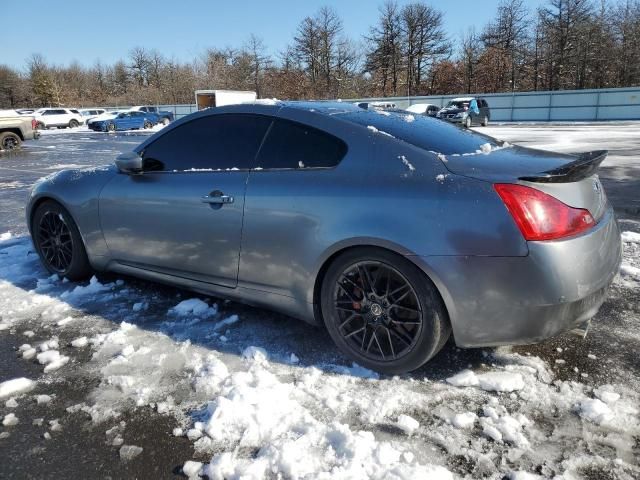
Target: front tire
pixel 58 242
pixel 111 127
pixel 467 122
pixel 41 126
pixel 165 121
pixel 148 124
pixel 382 311
pixel 73 124
pixel 9 141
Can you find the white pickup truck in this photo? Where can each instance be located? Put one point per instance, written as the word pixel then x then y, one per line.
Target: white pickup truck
pixel 16 128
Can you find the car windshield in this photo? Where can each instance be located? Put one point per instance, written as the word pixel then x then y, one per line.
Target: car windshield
pixel 421 131
pixel 458 104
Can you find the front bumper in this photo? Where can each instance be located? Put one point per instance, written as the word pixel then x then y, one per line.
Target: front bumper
pixel 519 300
pixel 453 119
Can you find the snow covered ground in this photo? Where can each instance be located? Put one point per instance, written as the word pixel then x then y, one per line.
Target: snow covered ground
pixel 255 395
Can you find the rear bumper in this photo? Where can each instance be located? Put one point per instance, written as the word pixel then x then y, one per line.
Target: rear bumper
pixel 519 300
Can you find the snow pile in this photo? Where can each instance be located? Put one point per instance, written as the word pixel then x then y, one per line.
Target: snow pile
pixel 631 237
pixel 256 410
pixel 226 322
pixel 499 381
pixel 16 386
pixel 407 424
pixel 194 307
pixel 52 360
pixel 406 163
pixel 464 420
pixel 498 425
pixel 94 287
pixel 80 342
pixel 595 411
pixel 192 469
pixel 375 130
pixel 10 420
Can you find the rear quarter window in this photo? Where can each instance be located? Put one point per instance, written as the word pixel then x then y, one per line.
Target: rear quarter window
pixel 294 145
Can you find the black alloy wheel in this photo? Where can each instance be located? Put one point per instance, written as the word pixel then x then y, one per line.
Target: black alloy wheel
pixel 55 242
pixel 58 242
pixel 382 311
pixel 378 309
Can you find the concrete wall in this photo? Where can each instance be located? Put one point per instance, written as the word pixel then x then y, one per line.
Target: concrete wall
pixel 562 105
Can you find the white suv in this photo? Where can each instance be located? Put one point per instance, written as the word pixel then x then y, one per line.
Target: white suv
pixel 91 113
pixel 57 117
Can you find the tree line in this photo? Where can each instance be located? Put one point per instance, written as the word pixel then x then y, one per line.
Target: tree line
pixel 565 44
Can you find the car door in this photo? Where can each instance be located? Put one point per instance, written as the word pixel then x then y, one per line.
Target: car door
pixel 63 117
pixel 183 215
pixel 124 121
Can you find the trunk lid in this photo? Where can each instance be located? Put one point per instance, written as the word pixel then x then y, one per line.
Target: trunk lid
pixel 571 178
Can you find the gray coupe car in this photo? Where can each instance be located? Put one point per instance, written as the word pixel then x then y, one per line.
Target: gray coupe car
pixel 390 230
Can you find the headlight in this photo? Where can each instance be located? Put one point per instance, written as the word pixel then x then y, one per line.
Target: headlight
pixel 461 114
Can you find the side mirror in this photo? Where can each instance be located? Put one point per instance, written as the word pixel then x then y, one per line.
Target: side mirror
pixel 129 163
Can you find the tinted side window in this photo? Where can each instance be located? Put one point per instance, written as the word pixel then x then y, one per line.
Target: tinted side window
pixel 293 145
pixel 212 142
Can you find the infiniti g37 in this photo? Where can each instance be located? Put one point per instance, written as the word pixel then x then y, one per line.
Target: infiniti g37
pixel 391 231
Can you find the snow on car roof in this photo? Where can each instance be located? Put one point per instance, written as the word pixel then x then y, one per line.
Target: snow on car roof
pixel 462 99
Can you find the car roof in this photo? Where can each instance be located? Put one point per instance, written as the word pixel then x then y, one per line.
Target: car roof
pixel 462 99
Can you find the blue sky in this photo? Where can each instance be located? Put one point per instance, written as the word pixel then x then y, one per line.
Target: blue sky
pixel 88 30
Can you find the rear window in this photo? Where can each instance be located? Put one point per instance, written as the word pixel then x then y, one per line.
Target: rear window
pixel 422 131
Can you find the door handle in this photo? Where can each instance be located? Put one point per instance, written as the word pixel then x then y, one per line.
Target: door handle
pixel 217 198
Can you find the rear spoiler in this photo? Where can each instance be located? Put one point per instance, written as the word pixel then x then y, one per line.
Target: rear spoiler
pixel 584 166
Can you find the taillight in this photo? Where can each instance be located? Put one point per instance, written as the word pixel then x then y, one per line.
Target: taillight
pixel 540 216
pixel 34 124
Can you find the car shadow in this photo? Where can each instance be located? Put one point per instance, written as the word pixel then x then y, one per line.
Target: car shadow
pixel 280 335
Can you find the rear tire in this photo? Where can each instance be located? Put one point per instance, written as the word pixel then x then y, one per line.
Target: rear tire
pixel 111 127
pixel 9 141
pixel 382 311
pixel 165 121
pixel 485 121
pixel 58 242
pixel 148 124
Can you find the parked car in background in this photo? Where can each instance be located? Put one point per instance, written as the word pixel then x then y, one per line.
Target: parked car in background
pixel 25 111
pixel 123 121
pixel 507 246
pixel 108 115
pixel 164 116
pixel 427 109
pixel 90 113
pixel 16 128
pixel 57 117
pixel 467 111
